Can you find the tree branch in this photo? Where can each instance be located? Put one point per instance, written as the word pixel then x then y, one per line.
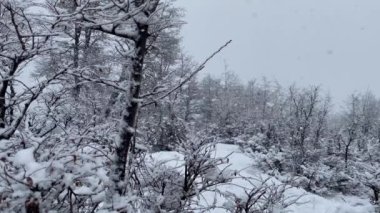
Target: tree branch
pixel 182 83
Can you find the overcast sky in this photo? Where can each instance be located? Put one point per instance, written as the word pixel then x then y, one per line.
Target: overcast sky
pixel 332 43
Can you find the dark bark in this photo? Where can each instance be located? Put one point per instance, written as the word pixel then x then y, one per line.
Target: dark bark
pixel 77 33
pixel 376 192
pixel 32 206
pixel 3 91
pixel 346 153
pixel 130 117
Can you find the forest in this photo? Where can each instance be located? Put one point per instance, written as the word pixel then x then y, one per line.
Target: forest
pixel 102 110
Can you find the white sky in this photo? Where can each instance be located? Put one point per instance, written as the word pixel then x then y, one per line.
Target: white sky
pixel 332 43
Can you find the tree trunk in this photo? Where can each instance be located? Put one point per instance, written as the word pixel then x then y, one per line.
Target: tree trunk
pixel 32 206
pixel 3 92
pixel 346 153
pixel 77 33
pixel 375 193
pixel 130 115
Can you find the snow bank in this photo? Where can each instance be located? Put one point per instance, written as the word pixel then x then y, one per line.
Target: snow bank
pixel 308 203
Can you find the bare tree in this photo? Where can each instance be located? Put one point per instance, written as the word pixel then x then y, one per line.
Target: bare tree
pixel 22 39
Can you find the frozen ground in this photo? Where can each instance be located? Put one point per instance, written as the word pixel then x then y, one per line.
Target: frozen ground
pixel 308 203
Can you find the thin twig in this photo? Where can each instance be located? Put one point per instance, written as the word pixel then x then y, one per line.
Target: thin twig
pixel 200 68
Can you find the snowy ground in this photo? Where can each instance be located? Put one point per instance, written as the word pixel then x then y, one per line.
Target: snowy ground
pixel 308 203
